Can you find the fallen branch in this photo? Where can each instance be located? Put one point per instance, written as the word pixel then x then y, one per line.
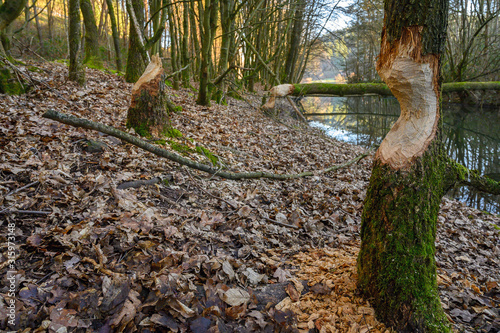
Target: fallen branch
pixel 356 89
pixel 22 188
pixel 138 183
pixel 31 212
pixel 297 111
pixel 84 123
pixel 281 223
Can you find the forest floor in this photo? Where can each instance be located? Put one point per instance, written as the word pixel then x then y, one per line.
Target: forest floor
pixel 197 253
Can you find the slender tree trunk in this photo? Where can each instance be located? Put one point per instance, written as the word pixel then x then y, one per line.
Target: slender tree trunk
pixel 209 27
pixel 293 51
pixel 50 18
pixel 173 46
pixel 185 45
pixel 101 17
pixel 27 15
pixel 76 69
pixel 91 34
pixel 203 98
pixel 125 27
pixel 37 22
pixel 195 68
pixel 396 264
pixel 116 35
pixel 135 60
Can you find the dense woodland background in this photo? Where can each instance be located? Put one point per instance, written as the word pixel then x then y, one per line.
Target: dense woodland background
pixel 229 45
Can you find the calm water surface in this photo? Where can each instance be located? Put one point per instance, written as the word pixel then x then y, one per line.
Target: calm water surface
pixel 472 134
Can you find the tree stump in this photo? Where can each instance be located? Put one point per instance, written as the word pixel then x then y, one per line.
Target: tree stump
pixel 150 107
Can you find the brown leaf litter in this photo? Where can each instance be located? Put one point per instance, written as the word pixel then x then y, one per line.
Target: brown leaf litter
pixel 194 252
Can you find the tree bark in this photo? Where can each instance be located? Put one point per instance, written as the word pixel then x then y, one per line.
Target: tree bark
pixel 91 34
pixel 136 61
pixel 116 35
pixel 293 51
pixel 149 109
pixel 76 69
pixel 396 263
pixel 210 14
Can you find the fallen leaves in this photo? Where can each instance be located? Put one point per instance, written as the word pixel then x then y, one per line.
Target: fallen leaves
pixel 201 254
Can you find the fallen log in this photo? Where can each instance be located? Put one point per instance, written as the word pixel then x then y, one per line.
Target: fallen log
pixel 356 89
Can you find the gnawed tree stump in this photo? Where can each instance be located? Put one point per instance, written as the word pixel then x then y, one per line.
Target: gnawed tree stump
pixel 149 112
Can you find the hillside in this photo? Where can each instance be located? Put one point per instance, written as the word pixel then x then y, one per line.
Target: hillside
pixel 194 252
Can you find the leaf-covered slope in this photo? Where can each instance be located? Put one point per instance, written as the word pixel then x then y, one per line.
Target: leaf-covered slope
pixel 193 252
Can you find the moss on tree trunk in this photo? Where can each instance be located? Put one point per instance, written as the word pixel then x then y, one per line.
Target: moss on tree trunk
pixel 9 84
pixel 76 69
pixel 135 61
pixel 396 264
pixel 91 35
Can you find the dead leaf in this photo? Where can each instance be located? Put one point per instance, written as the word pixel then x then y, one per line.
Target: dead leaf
pixel 236 296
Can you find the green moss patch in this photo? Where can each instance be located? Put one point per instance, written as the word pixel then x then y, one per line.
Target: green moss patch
pixel 204 151
pixel 9 84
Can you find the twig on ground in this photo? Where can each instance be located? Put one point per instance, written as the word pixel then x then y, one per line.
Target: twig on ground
pixel 138 183
pixel 33 212
pixel 101 268
pixel 22 188
pixel 29 49
pixel 280 223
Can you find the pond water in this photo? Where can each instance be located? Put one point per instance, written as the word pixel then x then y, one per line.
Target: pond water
pixel 472 134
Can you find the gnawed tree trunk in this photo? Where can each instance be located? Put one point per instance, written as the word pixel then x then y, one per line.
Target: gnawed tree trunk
pixel 150 107
pixel 355 89
pixel 396 264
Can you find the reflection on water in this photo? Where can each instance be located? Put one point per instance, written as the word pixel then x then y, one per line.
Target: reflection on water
pixel 472 135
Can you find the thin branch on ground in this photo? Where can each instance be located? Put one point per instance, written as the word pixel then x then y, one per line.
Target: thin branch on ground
pixel 84 123
pixel 22 188
pixel 138 183
pixel 280 223
pixel 29 212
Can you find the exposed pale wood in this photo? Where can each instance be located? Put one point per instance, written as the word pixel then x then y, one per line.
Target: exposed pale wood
pixel 154 69
pixel 411 83
pixel 281 90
